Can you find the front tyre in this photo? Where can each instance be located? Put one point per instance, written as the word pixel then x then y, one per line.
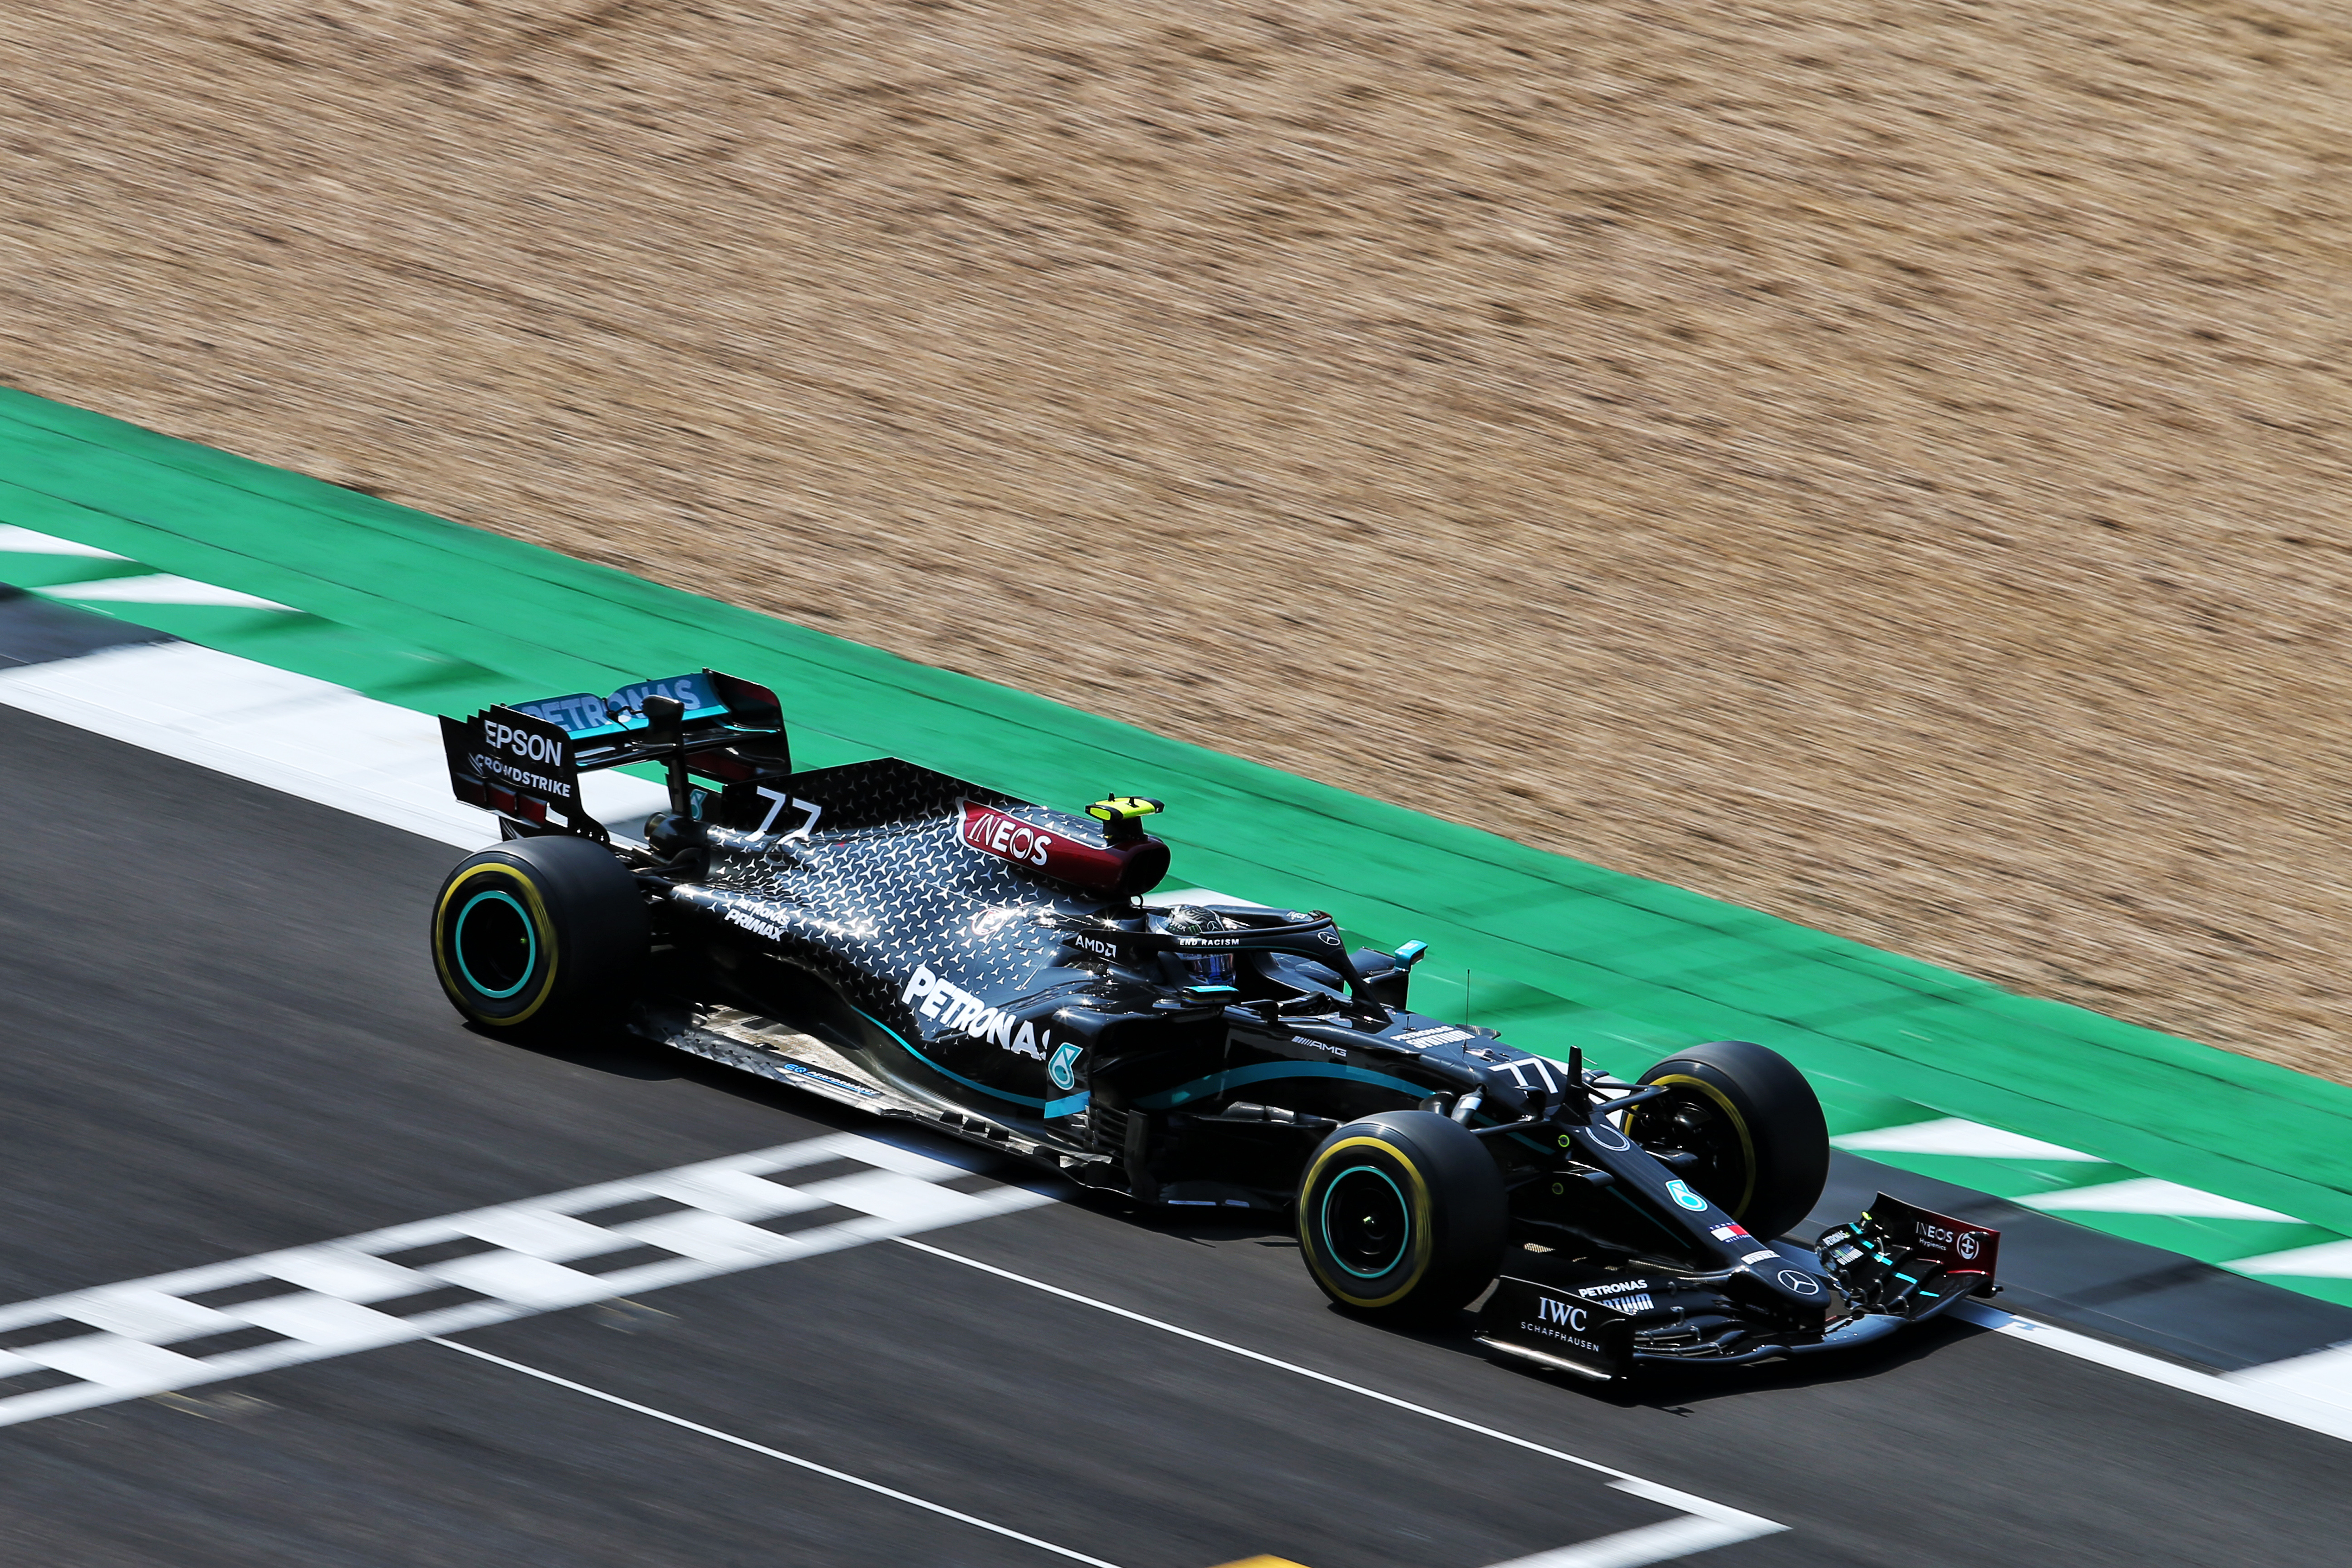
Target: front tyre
pixel 1402 1216
pixel 539 934
pixel 1761 1147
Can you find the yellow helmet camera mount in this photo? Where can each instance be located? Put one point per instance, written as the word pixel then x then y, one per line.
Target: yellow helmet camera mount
pixel 1122 817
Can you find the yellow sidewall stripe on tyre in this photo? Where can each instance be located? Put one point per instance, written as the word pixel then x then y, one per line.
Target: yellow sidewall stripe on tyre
pixel 1422 1239
pixel 543 928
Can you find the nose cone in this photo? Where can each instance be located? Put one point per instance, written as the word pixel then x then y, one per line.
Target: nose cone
pixel 1797 1290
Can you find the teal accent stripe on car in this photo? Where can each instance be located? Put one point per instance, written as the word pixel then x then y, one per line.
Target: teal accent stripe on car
pixel 1069 1105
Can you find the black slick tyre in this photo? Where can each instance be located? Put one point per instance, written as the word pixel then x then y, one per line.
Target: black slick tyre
pixel 1402 1216
pixel 1761 1148
pixel 540 934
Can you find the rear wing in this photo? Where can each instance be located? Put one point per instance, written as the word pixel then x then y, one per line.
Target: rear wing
pixel 523 759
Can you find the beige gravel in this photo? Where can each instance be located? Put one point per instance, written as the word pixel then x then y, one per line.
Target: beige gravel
pixel 1878 462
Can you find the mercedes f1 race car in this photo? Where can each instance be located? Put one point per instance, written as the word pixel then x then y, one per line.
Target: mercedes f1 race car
pixel 921 947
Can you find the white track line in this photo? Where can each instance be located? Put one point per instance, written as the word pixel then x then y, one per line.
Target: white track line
pixel 1636 1548
pixel 2323 1375
pixel 2149 1194
pixel 762 1448
pixel 1729 1524
pixel 2307 1403
pixel 16 540
pixel 236 716
pixel 292 732
pixel 160 588
pixel 1628 1549
pixel 2328 1260
pixel 149 1336
pixel 1955 1136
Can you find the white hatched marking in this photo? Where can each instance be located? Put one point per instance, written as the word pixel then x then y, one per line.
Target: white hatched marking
pixel 2149 1195
pixel 735 1194
pixel 714 1238
pixel 887 1194
pixel 556 1237
pixel 138 1313
pixel 353 1275
pixel 15 541
pixel 324 1309
pixel 2328 1260
pixel 908 1163
pixel 160 588
pixel 513 1277
pixel 1954 1135
pixel 324 1320
pixel 112 1362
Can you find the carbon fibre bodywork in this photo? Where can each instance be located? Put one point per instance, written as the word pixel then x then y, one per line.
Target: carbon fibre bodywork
pixel 963 983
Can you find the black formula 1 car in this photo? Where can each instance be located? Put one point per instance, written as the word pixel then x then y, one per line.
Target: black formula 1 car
pixel 924 948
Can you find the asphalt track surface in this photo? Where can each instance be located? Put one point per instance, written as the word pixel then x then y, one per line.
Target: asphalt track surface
pixel 224 1036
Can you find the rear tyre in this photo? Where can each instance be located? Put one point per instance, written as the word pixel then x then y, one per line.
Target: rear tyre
pixel 1402 1216
pixel 1749 1115
pixel 540 934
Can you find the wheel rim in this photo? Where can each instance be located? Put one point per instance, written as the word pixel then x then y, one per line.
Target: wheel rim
pixel 1366 1224
pixel 494 944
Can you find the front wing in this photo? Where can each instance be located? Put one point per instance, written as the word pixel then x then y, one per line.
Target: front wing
pixel 1896 1265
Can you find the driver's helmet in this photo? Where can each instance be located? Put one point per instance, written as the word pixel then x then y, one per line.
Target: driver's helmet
pixel 1205 968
